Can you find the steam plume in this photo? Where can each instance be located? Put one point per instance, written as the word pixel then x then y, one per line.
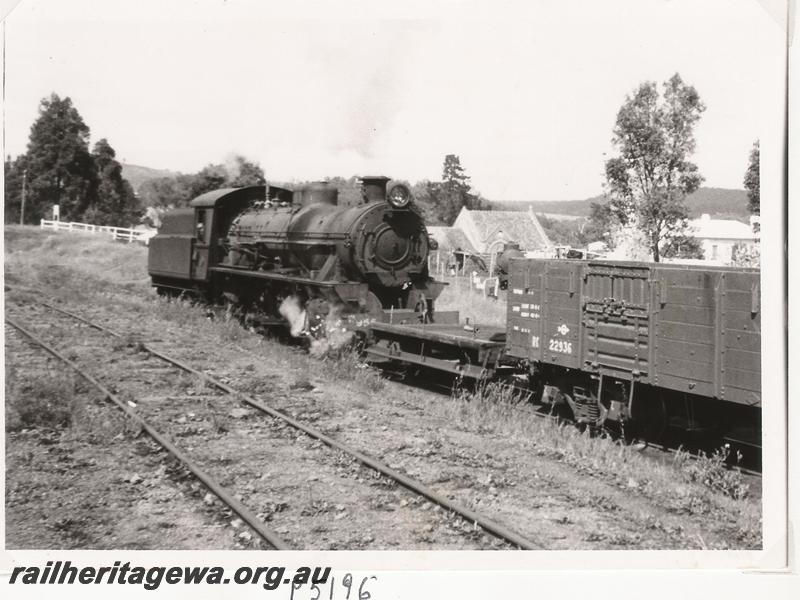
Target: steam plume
pixel 295 315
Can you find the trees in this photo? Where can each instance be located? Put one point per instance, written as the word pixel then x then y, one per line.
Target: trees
pixel 453 192
pixel 242 172
pixel 179 190
pixel 648 182
pixel 60 169
pixel 112 200
pixel 752 180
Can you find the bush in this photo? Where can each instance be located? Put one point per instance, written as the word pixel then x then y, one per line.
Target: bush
pixel 713 472
pixel 48 402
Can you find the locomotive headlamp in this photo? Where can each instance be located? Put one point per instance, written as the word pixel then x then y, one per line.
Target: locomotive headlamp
pixel 399 196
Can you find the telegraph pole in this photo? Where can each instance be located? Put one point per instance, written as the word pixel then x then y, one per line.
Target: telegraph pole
pixel 22 210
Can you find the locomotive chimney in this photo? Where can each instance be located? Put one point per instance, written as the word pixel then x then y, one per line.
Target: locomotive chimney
pixel 374 188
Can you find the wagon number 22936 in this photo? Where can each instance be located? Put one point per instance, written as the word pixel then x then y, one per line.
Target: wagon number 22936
pixel 561 346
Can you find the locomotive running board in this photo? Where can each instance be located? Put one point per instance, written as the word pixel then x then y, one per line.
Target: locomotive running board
pixel 276 277
pixel 346 292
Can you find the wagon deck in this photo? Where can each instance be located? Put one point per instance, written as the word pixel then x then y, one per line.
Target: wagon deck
pixel 468 351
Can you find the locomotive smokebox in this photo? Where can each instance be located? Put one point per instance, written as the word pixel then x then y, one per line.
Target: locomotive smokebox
pixel 374 188
pixel 319 192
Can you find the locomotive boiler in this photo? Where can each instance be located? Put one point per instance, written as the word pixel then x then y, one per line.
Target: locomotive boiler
pixel 261 246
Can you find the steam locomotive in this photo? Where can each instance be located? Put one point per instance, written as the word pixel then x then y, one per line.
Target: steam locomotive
pixel 258 247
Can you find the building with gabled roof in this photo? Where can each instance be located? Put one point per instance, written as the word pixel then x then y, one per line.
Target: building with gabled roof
pixel 488 230
pixel 451 239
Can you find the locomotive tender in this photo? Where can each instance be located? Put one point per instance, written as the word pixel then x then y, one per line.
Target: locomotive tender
pixel 257 246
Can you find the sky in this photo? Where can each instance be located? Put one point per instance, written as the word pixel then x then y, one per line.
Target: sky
pixel 525 93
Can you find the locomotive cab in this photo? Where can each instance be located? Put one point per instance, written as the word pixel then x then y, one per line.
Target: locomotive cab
pixel 187 243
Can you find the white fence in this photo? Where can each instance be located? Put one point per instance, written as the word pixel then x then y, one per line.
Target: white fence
pixel 118 233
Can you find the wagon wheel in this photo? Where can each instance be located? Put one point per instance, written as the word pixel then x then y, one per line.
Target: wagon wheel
pixel 562 406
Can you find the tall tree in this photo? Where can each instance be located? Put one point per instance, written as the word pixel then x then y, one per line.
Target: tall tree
pixel 752 180
pixel 113 201
pixel 648 182
pixel 454 191
pixel 60 169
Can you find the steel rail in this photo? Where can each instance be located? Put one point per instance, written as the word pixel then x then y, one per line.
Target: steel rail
pixel 693 456
pixel 496 529
pixel 246 514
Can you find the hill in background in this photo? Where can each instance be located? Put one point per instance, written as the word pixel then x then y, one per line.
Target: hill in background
pixel 720 203
pixel 137 174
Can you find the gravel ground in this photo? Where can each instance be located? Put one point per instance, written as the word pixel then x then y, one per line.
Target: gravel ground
pixel 325 500
pixel 96 485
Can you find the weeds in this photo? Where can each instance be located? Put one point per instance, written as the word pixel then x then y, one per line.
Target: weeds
pixel 713 472
pixel 347 366
pixel 49 402
pixel 501 409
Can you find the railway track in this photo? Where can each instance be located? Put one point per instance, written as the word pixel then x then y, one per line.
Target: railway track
pixel 198 413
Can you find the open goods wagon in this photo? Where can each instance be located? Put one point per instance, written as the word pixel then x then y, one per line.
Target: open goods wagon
pixel 669 344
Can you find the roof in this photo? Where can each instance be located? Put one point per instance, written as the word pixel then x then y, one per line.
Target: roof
pixel 212 198
pixel 721 229
pixel 450 238
pixel 513 226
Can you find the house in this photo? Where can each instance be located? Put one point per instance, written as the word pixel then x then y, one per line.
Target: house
pixel 488 231
pixel 450 239
pixel 719 237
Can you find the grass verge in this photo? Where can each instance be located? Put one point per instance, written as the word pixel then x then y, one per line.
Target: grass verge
pixel 702 486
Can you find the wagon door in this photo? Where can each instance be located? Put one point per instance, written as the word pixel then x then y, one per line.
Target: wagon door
pixel 561 313
pixel 616 320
